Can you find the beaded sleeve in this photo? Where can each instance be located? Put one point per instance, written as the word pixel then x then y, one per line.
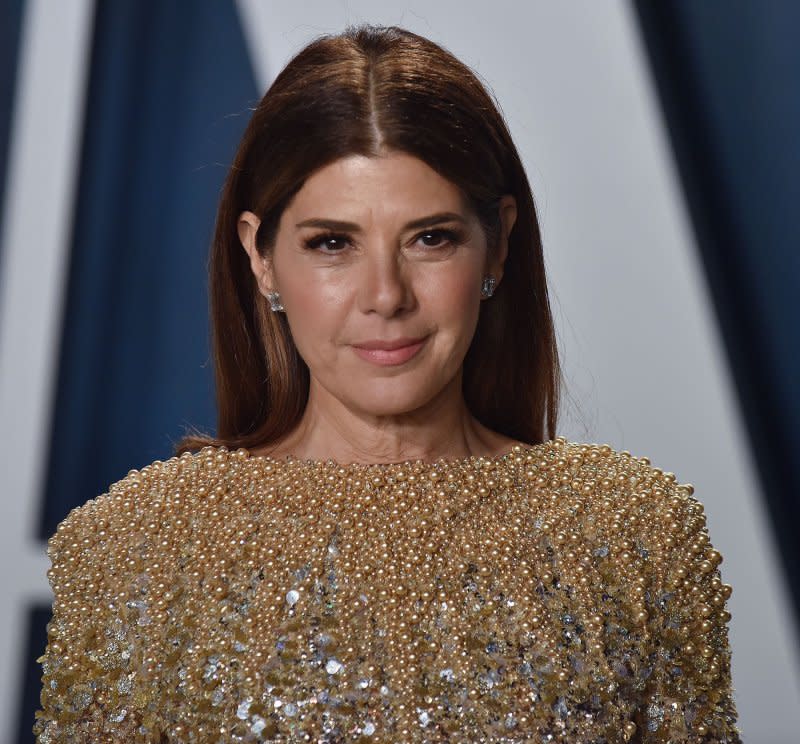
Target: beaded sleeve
pixel 687 695
pixel 92 662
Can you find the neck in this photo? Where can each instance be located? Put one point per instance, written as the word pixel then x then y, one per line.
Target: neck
pixel 443 427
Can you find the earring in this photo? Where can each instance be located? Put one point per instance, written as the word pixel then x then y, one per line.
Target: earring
pixel 487 288
pixel 274 301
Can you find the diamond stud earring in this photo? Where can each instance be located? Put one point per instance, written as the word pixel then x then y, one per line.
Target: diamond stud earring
pixel 274 302
pixel 487 288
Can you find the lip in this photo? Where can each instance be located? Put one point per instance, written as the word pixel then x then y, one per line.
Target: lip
pixel 394 352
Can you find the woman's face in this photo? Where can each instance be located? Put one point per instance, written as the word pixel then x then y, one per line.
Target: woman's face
pixel 408 264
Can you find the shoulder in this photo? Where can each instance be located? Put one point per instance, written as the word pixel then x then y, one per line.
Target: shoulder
pixel 134 509
pixel 664 568
pixel 646 515
pixel 617 480
pixel 128 498
pixel 653 531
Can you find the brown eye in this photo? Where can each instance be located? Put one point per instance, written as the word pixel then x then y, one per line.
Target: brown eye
pixel 323 239
pixel 441 237
pixel 438 237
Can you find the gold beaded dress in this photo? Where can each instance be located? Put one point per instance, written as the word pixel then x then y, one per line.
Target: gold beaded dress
pixel 561 592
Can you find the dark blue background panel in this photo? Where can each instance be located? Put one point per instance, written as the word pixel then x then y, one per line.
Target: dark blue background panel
pixel 10 27
pixel 728 75
pixel 171 89
pixel 35 642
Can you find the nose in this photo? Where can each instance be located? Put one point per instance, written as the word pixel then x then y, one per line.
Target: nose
pixel 384 284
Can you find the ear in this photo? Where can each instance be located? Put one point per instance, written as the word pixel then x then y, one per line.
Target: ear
pixel 508 216
pixel 262 268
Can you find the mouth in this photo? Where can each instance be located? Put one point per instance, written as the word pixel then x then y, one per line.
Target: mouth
pixel 390 357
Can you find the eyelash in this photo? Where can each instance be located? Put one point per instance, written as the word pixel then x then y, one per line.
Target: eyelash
pixel 451 237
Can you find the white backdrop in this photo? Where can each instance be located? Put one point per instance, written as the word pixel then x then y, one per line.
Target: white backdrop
pixel 642 355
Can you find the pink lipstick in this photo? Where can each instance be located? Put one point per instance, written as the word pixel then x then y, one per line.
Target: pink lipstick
pixel 389 353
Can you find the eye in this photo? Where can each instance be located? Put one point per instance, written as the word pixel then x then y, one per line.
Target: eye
pixel 447 236
pixel 334 242
pixel 328 237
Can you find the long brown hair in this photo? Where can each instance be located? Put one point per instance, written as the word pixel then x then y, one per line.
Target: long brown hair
pixel 365 91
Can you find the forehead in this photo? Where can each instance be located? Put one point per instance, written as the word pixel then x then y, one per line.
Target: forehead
pixel 396 183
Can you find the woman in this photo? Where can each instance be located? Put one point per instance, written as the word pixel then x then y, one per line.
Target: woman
pixel 385 541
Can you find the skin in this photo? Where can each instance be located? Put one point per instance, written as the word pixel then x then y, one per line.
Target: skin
pixel 381 281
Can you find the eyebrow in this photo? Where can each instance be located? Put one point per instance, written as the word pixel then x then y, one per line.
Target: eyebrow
pixel 433 219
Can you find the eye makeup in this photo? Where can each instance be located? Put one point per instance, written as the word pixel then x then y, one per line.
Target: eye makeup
pixel 448 238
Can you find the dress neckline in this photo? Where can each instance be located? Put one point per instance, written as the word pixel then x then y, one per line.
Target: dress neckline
pixel 520 448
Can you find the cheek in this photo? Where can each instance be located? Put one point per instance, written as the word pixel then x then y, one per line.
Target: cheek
pixel 452 301
pixel 316 312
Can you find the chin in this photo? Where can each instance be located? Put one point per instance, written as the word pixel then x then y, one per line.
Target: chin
pixel 391 400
